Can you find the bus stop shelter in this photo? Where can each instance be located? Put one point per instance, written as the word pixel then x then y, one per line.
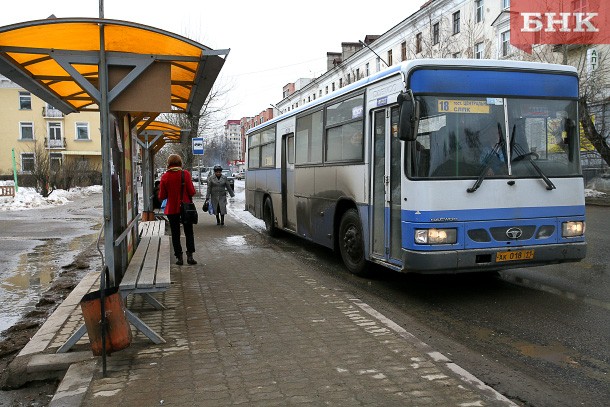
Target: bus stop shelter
pixel 152 135
pixel 130 73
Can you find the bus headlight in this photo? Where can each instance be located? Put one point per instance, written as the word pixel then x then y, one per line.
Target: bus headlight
pixel 435 236
pixel 572 229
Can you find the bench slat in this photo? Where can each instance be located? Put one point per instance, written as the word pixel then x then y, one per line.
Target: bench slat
pixel 163 277
pixel 149 267
pixel 132 273
pixel 152 228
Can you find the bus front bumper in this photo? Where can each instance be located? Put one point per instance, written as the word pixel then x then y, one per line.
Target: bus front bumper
pixel 454 261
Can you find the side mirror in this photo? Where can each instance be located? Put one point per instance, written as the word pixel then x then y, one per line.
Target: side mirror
pixel 409 116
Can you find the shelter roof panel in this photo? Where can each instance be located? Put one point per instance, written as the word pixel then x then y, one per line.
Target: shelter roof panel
pixel 57 59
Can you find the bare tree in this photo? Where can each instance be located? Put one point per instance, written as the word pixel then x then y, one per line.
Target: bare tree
pixel 41 172
pixel 209 118
pixel 594 92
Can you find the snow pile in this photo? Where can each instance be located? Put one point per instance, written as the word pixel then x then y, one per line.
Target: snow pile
pixel 591 193
pixel 28 198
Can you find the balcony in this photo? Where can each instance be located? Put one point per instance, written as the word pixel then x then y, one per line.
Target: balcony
pixel 49 112
pixel 54 144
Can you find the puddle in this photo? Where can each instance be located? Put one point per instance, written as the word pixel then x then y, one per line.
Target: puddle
pixel 553 352
pixel 33 274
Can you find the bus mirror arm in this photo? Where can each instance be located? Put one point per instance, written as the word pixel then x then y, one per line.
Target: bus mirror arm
pixel 409 116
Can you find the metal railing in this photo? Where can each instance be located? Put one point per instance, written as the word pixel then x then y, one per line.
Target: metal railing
pixel 51 112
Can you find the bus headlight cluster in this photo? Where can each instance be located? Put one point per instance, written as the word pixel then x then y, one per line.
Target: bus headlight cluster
pixel 572 229
pixel 435 236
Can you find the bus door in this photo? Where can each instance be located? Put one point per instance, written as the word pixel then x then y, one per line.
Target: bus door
pixel 289 206
pixel 386 232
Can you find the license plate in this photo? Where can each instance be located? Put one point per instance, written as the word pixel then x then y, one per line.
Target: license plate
pixel 514 255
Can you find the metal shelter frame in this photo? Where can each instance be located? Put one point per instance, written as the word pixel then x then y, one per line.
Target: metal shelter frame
pixel 117 68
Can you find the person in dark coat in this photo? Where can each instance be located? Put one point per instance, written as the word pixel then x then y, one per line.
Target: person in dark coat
pixel 218 185
pixel 171 188
pixel 156 201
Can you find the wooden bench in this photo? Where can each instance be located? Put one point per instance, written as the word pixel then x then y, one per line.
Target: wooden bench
pixel 147 273
pixel 152 228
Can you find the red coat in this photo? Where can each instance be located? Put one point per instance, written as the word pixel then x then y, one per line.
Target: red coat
pixel 170 186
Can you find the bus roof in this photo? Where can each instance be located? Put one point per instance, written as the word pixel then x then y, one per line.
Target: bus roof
pixel 407 66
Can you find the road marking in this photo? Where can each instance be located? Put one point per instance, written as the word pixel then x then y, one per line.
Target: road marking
pixel 463 374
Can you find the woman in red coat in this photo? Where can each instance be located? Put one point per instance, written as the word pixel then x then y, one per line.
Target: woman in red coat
pixel 171 188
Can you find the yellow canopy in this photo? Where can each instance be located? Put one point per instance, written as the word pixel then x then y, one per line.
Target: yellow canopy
pixel 58 60
pixel 169 132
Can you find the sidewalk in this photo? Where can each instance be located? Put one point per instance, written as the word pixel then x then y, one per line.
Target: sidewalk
pixel 250 325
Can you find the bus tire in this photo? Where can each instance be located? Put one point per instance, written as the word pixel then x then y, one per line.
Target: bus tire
pixel 270 228
pixel 351 243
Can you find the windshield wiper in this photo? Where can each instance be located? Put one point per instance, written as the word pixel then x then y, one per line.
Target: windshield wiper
pixel 522 154
pixel 487 161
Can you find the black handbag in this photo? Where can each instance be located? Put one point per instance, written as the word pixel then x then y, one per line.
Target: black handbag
pixel 188 210
pixel 206 206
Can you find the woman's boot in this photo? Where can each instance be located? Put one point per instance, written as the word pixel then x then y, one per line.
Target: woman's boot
pixel 190 259
pixel 179 260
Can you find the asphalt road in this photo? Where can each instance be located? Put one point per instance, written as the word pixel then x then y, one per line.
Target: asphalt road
pixel 538 336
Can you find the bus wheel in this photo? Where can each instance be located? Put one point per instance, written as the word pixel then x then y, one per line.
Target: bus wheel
pixel 351 243
pixel 270 228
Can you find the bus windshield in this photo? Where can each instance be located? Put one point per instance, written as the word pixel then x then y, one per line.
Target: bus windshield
pixel 470 137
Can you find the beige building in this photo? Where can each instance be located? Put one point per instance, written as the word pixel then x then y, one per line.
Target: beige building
pixel 28 122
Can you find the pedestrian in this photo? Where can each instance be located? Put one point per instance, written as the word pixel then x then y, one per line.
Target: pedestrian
pixel 156 200
pixel 218 185
pixel 171 187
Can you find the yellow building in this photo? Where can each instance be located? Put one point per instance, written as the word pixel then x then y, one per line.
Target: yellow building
pixel 27 122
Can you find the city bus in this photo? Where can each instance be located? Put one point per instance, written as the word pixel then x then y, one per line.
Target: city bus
pixel 430 166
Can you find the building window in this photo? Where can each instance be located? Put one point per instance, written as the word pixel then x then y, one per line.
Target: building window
pixel 505 4
pixel 326 90
pixel 390 58
pixel 340 82
pixel 54 131
pixel 478 50
pixel 418 43
pixel 478 6
pixel 26 131
pixel 320 92
pixel 27 162
pixel 436 33
pixel 403 51
pixel 55 161
pixel 25 101
pixel 332 86
pixel 358 72
pixel 368 71
pixel 349 78
pixel 456 22
pixel 505 43
pixel 82 131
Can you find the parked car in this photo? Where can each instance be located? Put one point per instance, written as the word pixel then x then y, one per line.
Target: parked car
pixel 239 175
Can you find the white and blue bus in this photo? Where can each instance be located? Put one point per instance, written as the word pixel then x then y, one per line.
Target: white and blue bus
pixel 431 166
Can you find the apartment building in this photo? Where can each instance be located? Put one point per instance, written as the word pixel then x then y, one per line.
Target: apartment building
pixel 28 122
pixel 440 29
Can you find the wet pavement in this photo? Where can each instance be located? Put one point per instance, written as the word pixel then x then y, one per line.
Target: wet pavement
pixel 34 246
pixel 252 325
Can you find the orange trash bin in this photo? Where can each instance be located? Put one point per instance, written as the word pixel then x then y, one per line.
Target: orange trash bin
pixel 118 331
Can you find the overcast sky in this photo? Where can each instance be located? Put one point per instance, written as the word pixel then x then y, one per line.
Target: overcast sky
pixel 272 42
